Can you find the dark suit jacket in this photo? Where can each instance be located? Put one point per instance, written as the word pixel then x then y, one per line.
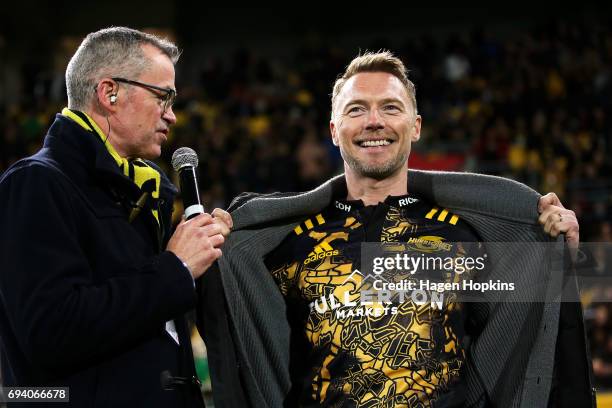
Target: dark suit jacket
pixel 84 294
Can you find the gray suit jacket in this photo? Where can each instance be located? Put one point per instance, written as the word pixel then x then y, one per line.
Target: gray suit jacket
pixel 511 361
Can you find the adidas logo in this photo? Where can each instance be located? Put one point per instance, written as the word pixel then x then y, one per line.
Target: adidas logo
pixel 323 250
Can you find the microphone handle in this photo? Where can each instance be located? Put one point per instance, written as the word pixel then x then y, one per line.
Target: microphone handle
pixel 189 190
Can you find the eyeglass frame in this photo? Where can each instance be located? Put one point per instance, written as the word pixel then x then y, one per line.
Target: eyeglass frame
pixel 169 95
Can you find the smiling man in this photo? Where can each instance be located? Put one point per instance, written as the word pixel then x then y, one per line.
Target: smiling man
pixel 291 280
pixel 374 122
pixel 93 287
pixel 407 354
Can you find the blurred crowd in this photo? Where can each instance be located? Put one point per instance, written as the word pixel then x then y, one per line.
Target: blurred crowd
pixel 533 105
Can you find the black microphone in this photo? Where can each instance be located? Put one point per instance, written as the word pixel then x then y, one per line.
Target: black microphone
pixel 185 161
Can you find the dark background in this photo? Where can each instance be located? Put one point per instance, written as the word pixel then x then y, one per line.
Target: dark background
pixel 518 91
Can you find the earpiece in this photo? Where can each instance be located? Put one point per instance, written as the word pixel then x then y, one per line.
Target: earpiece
pixel 113 99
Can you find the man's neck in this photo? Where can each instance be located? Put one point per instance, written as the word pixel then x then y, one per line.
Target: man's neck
pixel 103 124
pixel 372 191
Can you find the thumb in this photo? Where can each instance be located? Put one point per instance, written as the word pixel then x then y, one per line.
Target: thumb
pixel 548 200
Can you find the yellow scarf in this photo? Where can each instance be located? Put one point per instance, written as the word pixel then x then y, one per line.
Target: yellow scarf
pixel 136 170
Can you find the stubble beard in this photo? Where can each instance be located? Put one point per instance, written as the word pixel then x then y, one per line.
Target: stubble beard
pixel 376 171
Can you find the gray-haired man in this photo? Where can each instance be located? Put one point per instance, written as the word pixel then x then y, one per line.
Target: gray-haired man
pixel 93 287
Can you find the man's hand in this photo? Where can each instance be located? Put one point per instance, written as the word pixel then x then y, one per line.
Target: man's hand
pixel 197 243
pixel 556 219
pixel 224 220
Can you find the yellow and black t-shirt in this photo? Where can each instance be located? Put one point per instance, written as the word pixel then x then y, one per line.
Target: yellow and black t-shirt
pixel 407 355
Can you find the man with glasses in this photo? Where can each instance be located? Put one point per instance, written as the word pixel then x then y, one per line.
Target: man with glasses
pixel 166 96
pixel 92 286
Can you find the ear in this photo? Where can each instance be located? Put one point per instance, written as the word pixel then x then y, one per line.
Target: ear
pixel 107 95
pixel 416 131
pixel 334 132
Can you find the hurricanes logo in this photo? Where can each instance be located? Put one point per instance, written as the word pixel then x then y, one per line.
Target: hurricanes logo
pixel 323 250
pixel 429 243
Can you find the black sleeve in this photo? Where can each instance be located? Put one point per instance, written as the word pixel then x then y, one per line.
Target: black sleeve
pixel 58 316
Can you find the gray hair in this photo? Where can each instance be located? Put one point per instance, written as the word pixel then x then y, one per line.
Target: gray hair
pixel 110 52
pixel 382 61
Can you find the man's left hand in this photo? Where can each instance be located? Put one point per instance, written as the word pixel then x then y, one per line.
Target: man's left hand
pixel 556 219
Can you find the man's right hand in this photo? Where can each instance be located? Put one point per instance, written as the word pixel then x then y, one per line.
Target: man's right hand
pixel 197 243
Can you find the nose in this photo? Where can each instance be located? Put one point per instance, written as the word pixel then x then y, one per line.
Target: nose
pixel 169 116
pixel 375 121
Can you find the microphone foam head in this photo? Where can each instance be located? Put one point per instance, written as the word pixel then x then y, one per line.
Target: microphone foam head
pixel 184 156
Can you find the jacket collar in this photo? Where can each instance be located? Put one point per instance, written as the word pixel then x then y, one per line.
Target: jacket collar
pixel 82 150
pixel 83 155
pixel 459 192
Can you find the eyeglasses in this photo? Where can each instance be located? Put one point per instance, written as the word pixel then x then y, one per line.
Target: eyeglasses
pixel 166 98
